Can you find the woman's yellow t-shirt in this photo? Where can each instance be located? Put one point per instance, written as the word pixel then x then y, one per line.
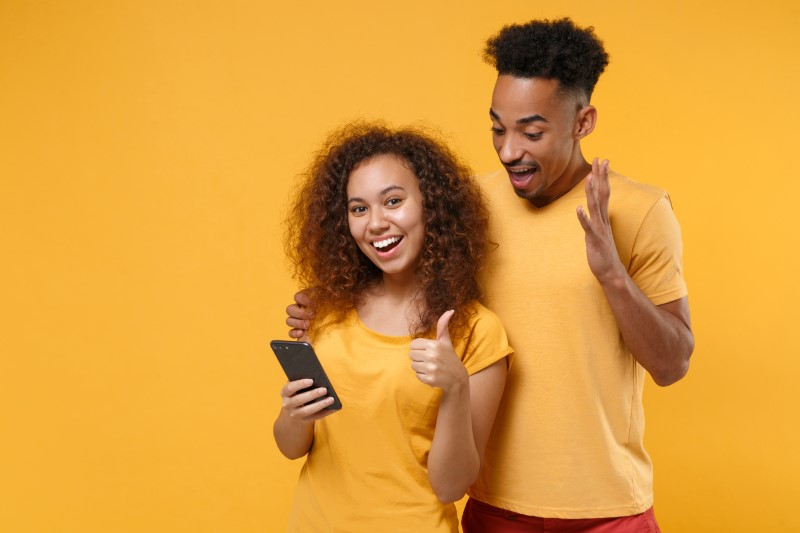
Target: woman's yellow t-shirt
pixel 366 470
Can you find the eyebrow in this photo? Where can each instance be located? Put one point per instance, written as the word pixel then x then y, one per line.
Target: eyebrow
pixel 523 120
pixel 383 192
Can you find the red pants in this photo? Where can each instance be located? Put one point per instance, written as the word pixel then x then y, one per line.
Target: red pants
pixel 481 517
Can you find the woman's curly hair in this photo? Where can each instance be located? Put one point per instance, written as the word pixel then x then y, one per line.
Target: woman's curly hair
pixel 326 257
pixel 555 49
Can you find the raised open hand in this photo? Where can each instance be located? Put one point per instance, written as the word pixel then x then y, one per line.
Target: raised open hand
pixel 601 252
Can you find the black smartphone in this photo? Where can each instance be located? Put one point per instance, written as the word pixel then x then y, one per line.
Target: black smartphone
pixel 300 362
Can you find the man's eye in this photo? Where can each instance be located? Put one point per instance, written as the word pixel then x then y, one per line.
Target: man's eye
pixel 534 136
pixel 498 131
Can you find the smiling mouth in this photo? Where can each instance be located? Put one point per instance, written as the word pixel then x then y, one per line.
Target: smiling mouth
pixel 387 244
pixel 521 176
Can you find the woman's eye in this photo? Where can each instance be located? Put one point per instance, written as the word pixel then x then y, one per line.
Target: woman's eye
pixel 393 201
pixel 357 209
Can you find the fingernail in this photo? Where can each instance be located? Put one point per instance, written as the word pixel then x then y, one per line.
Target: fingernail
pixel 322 391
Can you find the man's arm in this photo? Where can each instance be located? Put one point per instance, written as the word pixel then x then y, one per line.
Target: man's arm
pixel 659 337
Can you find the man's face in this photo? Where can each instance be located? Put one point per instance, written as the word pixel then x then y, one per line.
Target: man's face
pixel 533 130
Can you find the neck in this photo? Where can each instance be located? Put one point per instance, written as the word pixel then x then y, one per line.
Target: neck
pixel 391 306
pixel 400 289
pixel 577 169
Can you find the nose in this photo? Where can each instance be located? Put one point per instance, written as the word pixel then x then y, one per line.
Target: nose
pixel 508 147
pixel 377 221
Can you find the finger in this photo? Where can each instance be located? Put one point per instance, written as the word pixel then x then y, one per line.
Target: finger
pixel 311 410
pixel 423 367
pixel 591 198
pixel 297 333
pixel 304 299
pixel 298 312
pixel 418 355
pixel 422 344
pixel 583 218
pixel 323 412
pixel 293 386
pixel 590 214
pixel 442 331
pixel 296 323
pixel 424 371
pixel 600 175
pixel 425 378
pixel 303 398
pixel 604 190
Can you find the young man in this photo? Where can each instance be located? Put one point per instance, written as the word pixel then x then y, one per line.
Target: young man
pixel 591 299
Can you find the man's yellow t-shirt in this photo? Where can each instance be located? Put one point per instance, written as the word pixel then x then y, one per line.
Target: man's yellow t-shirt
pixel 567 441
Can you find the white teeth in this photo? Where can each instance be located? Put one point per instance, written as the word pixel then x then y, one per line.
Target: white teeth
pixel 385 242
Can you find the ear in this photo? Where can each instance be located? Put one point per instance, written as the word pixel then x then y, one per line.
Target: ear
pixel 585 122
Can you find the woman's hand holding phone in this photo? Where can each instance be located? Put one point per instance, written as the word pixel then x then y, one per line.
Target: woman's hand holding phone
pixel 298 401
pixel 294 427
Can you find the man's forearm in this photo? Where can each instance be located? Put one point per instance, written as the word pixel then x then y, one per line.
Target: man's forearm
pixel 659 337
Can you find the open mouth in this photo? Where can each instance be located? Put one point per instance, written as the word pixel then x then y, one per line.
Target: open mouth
pixel 387 244
pixel 521 176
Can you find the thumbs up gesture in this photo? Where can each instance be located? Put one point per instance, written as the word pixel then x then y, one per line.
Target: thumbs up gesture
pixel 435 361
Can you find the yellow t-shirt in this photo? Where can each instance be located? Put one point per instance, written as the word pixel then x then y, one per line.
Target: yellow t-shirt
pixel 366 470
pixel 567 440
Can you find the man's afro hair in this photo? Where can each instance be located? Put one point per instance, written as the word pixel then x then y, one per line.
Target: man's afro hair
pixel 549 49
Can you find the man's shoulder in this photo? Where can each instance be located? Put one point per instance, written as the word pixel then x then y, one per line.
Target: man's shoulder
pixel 622 185
pixel 631 198
pixel 640 213
pixel 480 313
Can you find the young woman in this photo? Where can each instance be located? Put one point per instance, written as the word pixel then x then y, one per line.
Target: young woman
pixel 390 231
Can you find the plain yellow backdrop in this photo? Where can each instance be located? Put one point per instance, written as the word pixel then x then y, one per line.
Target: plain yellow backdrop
pixel 147 150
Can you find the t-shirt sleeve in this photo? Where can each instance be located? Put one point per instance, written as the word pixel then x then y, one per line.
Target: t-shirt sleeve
pixel 485 343
pixel 657 258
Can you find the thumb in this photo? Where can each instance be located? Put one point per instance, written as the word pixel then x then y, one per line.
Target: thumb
pixel 442 333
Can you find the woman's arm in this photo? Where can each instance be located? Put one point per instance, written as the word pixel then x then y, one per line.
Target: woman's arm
pixel 463 425
pixel 294 428
pixel 466 411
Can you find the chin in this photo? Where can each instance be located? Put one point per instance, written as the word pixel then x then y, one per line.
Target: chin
pixel 528 194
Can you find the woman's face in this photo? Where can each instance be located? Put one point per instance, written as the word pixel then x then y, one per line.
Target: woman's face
pixel 385 215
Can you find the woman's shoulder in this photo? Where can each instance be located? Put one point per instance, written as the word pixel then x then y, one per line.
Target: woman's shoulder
pixel 483 323
pixel 485 340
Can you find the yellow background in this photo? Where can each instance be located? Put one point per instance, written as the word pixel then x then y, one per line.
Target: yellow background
pixel 147 149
